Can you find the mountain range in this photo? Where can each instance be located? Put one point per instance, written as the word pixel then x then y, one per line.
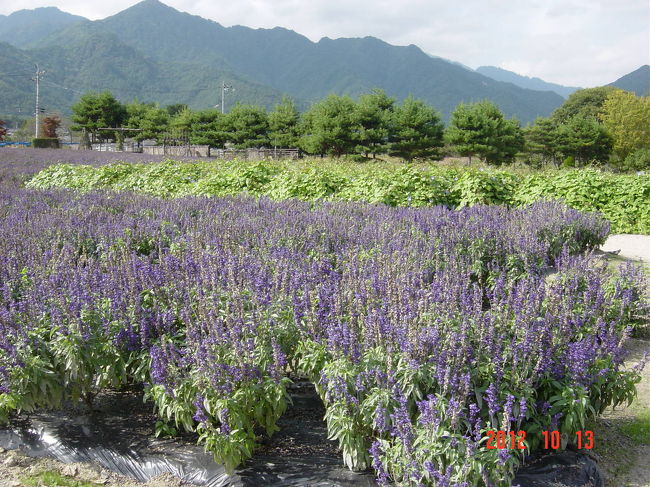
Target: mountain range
pixel 638 81
pixel 506 76
pixel 152 52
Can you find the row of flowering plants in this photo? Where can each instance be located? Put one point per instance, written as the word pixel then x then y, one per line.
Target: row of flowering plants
pixel 422 329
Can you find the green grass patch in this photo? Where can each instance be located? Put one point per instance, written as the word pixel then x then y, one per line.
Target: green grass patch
pixel 51 478
pixel 639 428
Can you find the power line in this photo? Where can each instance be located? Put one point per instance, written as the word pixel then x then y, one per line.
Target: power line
pixel 63 87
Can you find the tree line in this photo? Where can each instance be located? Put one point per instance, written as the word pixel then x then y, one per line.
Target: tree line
pixel 596 125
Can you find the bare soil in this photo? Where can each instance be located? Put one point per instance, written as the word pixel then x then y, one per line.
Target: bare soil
pixel 15 466
pixel 627 463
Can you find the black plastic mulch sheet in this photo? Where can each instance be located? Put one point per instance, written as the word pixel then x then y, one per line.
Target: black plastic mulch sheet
pixel 565 469
pixel 118 437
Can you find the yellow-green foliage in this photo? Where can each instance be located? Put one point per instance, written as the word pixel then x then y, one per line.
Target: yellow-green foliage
pixel 624 199
pixel 627 119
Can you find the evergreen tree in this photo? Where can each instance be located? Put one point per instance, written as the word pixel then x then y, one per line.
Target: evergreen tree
pixel 245 126
pixel 283 124
pixel 416 131
pixel 583 139
pixel 330 127
pixel 151 120
pixel 541 138
pixel 374 112
pixel 203 126
pixel 97 110
pixel 175 108
pixel 479 129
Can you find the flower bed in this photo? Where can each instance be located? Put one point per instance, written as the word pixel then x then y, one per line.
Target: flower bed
pixel 423 329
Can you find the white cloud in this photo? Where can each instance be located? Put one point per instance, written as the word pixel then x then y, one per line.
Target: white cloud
pixel 573 42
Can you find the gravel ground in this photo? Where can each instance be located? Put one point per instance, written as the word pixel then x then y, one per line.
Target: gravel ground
pixel 626 463
pixel 633 247
pixel 632 468
pixel 14 466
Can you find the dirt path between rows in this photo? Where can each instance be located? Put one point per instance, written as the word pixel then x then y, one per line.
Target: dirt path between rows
pixel 15 466
pixel 627 463
pixel 632 247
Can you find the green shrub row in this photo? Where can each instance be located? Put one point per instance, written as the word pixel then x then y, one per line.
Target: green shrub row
pixel 45 143
pixel 623 199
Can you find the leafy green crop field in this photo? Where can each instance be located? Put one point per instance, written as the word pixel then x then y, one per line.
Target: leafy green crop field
pixel 623 199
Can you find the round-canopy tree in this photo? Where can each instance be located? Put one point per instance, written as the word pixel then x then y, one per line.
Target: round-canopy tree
pixel 583 103
pixel 97 110
pixel 627 119
pixel 283 124
pixel 479 129
pixel 330 127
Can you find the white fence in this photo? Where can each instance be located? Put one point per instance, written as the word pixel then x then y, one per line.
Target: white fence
pixel 202 151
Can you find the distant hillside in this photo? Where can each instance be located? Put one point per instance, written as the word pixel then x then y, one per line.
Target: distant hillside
pixel 97 61
pixel 18 89
pixel 27 27
pixel 637 81
pixel 506 76
pixel 291 63
pixel 156 53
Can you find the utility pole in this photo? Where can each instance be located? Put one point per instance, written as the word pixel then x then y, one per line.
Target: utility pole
pixel 37 78
pixel 224 88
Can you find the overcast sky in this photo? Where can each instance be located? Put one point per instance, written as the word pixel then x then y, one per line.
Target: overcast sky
pixel 571 42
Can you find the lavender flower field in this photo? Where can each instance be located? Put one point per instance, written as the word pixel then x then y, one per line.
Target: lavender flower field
pixel 422 328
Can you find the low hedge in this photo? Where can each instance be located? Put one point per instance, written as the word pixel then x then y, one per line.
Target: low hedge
pixel 46 143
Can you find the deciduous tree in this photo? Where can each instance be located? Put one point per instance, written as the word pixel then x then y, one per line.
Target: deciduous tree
pixel 627 119
pixel 51 123
pixel 583 103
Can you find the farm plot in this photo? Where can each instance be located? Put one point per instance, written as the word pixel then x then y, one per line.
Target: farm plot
pixel 423 329
pixel 622 199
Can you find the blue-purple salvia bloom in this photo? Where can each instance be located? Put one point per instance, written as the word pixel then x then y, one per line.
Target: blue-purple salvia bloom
pixel 217 292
